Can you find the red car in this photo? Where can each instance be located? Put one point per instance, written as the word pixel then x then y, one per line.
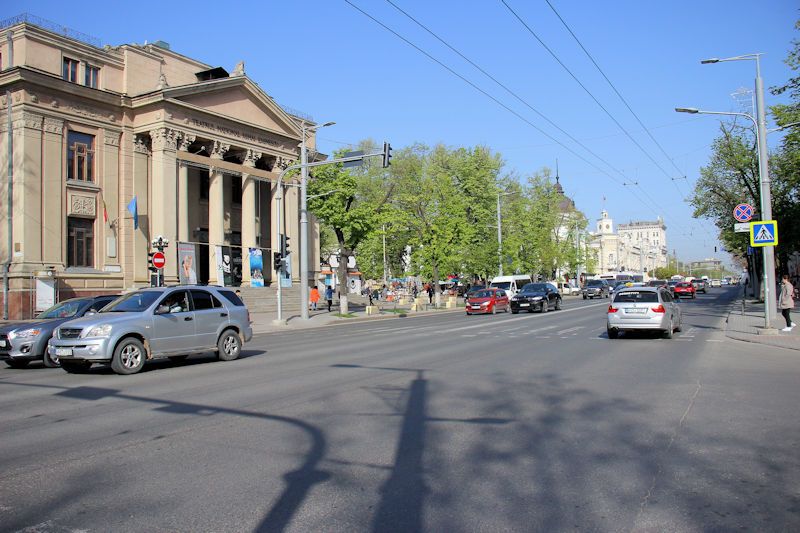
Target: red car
pixel 684 289
pixel 488 301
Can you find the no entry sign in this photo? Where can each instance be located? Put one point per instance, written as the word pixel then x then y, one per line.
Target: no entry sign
pixel 159 260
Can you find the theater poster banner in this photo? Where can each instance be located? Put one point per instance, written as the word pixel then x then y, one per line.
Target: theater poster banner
pixel 223 255
pixel 187 271
pixel 256 268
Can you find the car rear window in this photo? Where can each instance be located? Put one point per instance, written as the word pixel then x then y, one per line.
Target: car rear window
pixel 232 298
pixel 646 297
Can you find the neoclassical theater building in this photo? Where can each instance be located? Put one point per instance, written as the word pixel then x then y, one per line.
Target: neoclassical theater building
pixel 107 148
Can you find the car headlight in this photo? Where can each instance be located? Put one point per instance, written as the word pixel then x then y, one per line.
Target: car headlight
pixel 25 333
pixel 484 304
pixel 103 330
pixel 536 298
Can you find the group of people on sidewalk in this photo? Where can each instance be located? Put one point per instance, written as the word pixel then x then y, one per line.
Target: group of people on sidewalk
pixel 786 302
pixel 314 296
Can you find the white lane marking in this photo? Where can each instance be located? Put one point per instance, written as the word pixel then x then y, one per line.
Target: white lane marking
pixel 516 319
pixel 714 340
pixel 569 330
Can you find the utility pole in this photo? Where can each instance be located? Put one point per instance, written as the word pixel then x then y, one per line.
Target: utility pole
pixel 499 239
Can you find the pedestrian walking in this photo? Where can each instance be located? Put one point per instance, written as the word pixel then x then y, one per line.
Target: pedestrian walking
pixel 314 298
pixel 786 302
pixel 329 297
pixel 430 293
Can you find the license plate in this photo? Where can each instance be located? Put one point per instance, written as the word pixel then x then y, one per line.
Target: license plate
pixel 635 311
pixel 62 352
pixel 524 305
pixel 3 344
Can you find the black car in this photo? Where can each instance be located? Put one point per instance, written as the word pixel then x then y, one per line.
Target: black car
pixel 596 288
pixel 26 340
pixel 536 296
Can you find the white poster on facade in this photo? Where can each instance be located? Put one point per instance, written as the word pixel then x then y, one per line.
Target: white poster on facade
pixel 187 261
pixel 45 293
pixel 219 254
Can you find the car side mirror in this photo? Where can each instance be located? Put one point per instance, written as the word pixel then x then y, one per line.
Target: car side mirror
pixel 91 312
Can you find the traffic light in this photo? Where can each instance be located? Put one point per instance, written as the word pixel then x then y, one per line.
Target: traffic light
pixel 277 261
pixel 387 154
pixel 150 266
pixel 285 245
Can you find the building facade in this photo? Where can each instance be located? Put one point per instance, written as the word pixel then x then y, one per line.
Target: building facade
pixel 105 149
pixel 635 246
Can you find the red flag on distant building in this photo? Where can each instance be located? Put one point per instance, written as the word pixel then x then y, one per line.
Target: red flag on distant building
pixel 105 211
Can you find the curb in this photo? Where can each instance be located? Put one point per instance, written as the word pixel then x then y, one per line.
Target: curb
pixel 340 321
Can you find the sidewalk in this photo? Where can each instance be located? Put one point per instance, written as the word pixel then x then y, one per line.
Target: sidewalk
pixel 262 322
pixel 745 327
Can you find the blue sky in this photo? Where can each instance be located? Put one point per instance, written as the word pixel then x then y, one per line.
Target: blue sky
pixel 326 59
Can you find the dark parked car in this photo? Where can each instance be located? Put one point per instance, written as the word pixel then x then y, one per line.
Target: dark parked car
pixel 596 288
pixel 536 296
pixel 26 341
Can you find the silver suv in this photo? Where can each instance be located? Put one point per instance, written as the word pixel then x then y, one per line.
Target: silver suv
pixel 154 323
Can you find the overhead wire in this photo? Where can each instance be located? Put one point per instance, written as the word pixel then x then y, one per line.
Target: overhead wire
pixel 594 98
pixel 483 92
pixel 614 88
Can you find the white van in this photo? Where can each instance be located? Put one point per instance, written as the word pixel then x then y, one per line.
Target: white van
pixel 510 284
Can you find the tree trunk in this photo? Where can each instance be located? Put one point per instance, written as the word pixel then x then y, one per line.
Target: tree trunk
pixel 437 290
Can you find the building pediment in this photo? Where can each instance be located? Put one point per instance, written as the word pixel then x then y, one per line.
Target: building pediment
pixel 240 100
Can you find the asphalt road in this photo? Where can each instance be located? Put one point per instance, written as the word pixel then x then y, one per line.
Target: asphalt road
pixel 437 423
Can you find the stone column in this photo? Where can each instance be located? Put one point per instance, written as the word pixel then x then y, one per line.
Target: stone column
pixel 164 180
pixel 216 212
pixel 53 221
pixel 183 189
pixel 249 215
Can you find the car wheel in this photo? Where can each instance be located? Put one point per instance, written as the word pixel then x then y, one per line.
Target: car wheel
pixel 75 367
pixel 50 361
pixel 177 358
pixel 544 307
pixel 558 304
pixel 129 356
pixel 469 314
pixel 494 309
pixel 694 296
pixel 508 308
pixel 612 333
pixel 514 312
pixel 584 296
pixel 16 364
pixel 229 346
pixel 668 333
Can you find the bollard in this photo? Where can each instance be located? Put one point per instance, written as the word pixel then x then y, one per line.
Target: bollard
pixel 372 310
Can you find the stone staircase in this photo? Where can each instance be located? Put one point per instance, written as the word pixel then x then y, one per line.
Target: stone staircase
pixel 265 299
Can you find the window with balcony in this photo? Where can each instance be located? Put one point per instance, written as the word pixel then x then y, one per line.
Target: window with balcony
pixel 80 242
pixel 91 76
pixel 80 156
pixel 70 70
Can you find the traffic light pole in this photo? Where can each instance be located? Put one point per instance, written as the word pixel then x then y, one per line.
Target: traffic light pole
pixel 303 167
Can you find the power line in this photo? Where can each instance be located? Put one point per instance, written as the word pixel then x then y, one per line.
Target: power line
pixel 591 95
pixel 483 92
pixel 617 93
pixel 513 112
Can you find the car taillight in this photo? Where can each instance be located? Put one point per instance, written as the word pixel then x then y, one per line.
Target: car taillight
pixel 659 309
pixel 612 309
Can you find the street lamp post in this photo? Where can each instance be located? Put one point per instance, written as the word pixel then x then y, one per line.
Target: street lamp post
pixel 304 218
pixel 770 306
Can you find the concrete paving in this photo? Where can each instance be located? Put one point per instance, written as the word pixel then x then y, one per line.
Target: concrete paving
pixel 747 324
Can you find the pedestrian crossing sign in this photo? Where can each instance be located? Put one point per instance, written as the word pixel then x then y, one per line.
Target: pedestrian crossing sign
pixel 764 233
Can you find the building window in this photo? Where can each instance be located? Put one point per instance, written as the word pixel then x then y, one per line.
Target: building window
pixel 80 156
pixel 91 76
pixel 236 190
pixel 80 242
pixel 70 71
pixel 204 184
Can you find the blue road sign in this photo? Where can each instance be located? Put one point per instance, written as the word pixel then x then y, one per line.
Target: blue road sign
pixel 764 233
pixel 743 212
